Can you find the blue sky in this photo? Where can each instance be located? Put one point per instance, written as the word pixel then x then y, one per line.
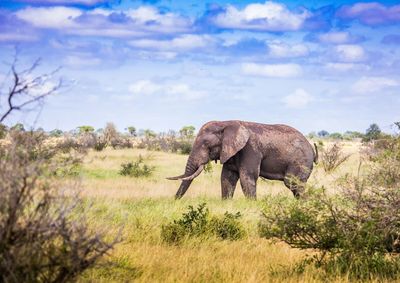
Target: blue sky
pixel 332 65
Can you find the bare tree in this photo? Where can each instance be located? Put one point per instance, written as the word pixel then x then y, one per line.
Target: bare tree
pixel 26 89
pixel 44 234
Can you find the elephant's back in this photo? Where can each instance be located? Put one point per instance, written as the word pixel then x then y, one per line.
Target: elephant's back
pixel 283 142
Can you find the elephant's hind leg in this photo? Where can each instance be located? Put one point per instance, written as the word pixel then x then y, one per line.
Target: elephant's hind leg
pixel 229 180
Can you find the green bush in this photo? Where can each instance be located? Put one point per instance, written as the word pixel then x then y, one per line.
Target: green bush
pixel 136 169
pixel 185 147
pixel 355 233
pixel 227 227
pixel 197 222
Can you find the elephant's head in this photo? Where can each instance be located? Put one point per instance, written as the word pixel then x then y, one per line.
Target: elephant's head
pixel 215 141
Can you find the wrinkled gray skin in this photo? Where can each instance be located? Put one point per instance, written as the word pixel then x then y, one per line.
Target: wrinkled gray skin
pixel 248 150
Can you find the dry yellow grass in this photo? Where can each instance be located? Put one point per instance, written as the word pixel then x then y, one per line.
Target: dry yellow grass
pixel 145 204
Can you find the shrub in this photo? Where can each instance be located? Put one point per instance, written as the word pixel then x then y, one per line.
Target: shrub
pixel 356 232
pixel 185 147
pixel 42 239
pixel 121 142
pixel 198 222
pixel 333 157
pixel 136 169
pixel 100 143
pixel 227 227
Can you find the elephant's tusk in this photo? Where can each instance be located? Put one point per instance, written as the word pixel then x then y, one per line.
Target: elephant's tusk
pixel 197 173
pixel 191 177
pixel 176 177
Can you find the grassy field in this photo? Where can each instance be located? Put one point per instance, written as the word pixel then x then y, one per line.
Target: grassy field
pixel 143 205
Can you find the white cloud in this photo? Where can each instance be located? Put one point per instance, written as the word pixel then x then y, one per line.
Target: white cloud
pixel 272 70
pixel 50 17
pixel 144 87
pixel 78 61
pixel 298 99
pixel 344 67
pixel 141 22
pixel 350 53
pixel 183 90
pixel 5 37
pixel 61 2
pixel 373 84
pixel 337 37
pixel 269 16
pixel 171 91
pixel 282 50
pixel 184 42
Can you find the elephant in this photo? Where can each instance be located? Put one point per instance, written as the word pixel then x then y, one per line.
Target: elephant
pixel 247 151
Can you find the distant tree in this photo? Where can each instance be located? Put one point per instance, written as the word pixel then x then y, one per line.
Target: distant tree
pixel 110 133
pixel 187 131
pixel 18 127
pixel 312 135
pixel 85 129
pixel 336 136
pixel 132 131
pixel 149 133
pixel 56 133
pixel 349 135
pixel 323 133
pixel 372 133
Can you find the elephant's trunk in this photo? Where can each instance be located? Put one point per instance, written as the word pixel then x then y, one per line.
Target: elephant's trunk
pixel 191 171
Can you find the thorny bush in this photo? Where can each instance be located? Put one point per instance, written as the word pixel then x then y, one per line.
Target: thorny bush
pixel 42 237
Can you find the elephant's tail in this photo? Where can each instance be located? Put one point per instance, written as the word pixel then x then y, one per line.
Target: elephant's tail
pixel 315 154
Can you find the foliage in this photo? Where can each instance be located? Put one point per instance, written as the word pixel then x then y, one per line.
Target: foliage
pixel 323 133
pixel 372 133
pixel 56 133
pixel 198 222
pixel 185 147
pixel 149 134
pixel 3 131
pixel 41 237
pixel 208 168
pixel 355 232
pixel 132 131
pixel 332 157
pixel 336 136
pixel 85 129
pixel 18 127
pixel 100 143
pixel 350 135
pixel 227 227
pixel 187 132
pixel 136 169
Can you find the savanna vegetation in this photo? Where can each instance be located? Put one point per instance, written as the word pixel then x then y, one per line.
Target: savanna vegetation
pixel 94 206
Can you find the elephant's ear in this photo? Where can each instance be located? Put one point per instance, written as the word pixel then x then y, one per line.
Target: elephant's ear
pixel 235 137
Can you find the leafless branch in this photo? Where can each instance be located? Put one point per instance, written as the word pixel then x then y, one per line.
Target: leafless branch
pixel 25 88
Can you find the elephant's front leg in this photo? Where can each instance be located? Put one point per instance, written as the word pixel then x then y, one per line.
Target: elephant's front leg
pixel 229 180
pixel 249 171
pixel 248 181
